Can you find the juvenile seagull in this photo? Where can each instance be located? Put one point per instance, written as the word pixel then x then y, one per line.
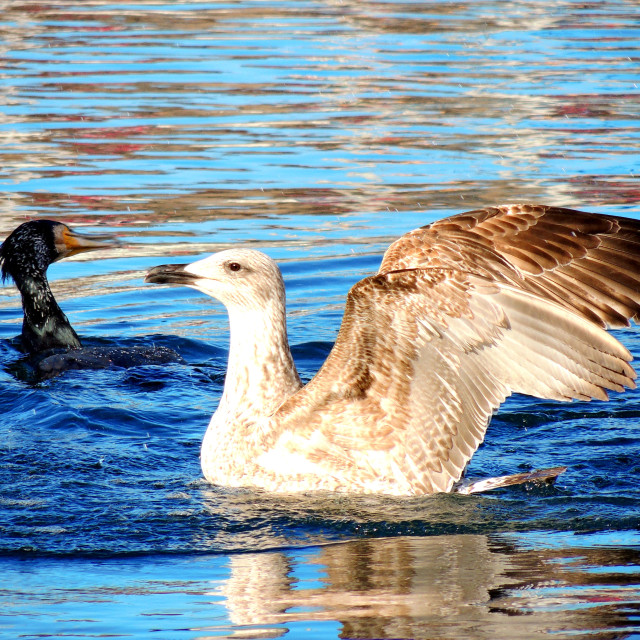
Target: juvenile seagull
pixel 462 313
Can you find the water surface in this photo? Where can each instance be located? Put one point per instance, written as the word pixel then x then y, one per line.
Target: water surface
pixel 318 132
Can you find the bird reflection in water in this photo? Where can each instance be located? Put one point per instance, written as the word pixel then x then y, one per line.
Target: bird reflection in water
pixel 453 586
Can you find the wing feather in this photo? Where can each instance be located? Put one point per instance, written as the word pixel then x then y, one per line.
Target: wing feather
pixel 422 360
pixel 561 252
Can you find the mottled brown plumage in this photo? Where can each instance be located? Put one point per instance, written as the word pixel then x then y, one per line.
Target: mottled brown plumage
pixel 586 262
pixel 462 313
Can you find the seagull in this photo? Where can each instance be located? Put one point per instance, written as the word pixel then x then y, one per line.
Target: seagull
pixel 461 314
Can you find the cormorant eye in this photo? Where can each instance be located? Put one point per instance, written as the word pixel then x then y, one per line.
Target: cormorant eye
pixel 234 266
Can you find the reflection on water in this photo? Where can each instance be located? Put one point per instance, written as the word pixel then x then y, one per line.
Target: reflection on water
pixel 458 586
pixel 442 587
pixel 318 130
pixel 201 108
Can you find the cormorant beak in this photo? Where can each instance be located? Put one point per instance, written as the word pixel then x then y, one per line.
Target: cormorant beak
pixel 69 242
pixel 170 274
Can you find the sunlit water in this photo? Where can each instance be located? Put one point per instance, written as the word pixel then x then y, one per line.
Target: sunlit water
pixel 317 131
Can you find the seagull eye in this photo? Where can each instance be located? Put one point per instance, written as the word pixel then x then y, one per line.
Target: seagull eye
pixel 234 266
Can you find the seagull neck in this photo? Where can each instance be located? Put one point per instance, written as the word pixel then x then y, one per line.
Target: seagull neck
pixel 261 373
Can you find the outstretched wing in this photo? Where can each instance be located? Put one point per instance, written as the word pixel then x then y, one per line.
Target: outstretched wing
pixel 586 262
pixel 422 360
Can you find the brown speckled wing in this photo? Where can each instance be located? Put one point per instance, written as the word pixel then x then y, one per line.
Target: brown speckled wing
pixel 583 261
pixel 422 360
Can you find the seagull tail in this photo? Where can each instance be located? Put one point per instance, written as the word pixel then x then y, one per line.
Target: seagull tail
pixel 539 476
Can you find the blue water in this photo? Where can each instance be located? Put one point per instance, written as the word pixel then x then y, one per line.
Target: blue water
pixel 318 132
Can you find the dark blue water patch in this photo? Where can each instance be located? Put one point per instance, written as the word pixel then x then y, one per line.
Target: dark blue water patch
pixel 309 357
pixel 158 517
pixel 149 499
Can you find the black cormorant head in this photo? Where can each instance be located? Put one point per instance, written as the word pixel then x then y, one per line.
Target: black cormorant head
pixel 34 245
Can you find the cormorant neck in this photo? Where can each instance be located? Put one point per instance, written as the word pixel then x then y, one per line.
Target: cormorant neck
pixel 44 326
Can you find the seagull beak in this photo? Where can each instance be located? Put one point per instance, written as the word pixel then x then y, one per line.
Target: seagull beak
pixel 69 242
pixel 171 274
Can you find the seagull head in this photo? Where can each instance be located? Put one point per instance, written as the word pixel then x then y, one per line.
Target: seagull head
pixel 242 278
